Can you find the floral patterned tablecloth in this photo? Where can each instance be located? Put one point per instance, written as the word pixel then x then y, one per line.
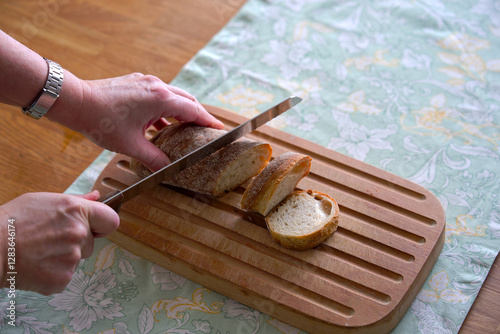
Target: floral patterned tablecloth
pixel 412 87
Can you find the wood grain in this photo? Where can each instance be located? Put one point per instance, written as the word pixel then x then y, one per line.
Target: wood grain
pixel 361 280
pixel 484 316
pixel 93 39
pixel 99 39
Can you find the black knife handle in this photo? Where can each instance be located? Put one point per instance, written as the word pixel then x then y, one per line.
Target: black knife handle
pixel 114 203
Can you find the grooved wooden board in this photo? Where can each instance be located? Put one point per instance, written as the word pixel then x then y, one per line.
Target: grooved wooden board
pixel 361 280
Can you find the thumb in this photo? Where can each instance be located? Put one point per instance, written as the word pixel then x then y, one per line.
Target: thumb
pixel 91 196
pixel 151 156
pixel 102 219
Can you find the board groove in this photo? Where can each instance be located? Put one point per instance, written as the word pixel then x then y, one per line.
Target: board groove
pixel 272 269
pixel 282 141
pixel 345 169
pixel 372 224
pixel 361 280
pixel 377 246
pixel 386 204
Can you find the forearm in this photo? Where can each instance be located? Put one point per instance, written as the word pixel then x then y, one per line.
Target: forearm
pixel 114 113
pixel 23 72
pixel 23 75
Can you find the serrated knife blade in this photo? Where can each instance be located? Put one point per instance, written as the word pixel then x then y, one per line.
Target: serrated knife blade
pixel 116 198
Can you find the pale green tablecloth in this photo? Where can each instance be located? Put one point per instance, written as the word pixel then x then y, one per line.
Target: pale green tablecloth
pixel 412 87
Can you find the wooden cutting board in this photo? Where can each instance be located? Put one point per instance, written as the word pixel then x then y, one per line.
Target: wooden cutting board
pixel 361 280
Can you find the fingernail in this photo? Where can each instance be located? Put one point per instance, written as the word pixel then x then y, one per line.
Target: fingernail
pixel 218 125
pixel 94 194
pixel 159 166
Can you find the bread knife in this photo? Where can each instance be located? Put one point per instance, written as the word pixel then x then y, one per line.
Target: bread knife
pixel 116 198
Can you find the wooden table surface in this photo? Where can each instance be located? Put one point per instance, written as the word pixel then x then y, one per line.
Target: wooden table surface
pixel 101 39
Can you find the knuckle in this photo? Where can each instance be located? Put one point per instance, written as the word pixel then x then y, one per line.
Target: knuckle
pixel 71 258
pixel 151 78
pixel 157 87
pixel 69 203
pixel 76 233
pixel 136 75
pixel 87 250
pixel 74 257
pixel 75 211
pixel 81 232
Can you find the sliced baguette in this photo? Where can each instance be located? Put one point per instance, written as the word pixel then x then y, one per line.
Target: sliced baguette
pixel 218 173
pixel 303 220
pixel 276 181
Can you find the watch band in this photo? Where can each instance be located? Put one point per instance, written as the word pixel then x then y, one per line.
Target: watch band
pixel 49 93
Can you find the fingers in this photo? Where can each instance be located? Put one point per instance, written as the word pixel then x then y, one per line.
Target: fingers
pixel 181 92
pixel 87 247
pixel 88 244
pixel 151 156
pixel 91 196
pixel 54 232
pixel 102 220
pixel 187 110
pixel 206 119
pixel 178 103
pixel 160 124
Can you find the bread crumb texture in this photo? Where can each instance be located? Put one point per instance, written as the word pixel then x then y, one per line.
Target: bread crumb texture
pixel 276 181
pixel 303 220
pixel 216 174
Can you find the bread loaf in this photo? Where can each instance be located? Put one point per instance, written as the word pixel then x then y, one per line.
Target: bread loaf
pixel 276 181
pixel 218 173
pixel 303 220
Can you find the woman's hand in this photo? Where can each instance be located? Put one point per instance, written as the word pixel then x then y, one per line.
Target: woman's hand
pixel 113 113
pixel 53 232
pixel 117 112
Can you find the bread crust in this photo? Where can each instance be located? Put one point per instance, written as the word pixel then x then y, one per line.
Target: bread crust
pixel 311 240
pixel 262 189
pixel 180 139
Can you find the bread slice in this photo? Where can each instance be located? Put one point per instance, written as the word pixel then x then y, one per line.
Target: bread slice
pixel 276 181
pixel 303 220
pixel 218 173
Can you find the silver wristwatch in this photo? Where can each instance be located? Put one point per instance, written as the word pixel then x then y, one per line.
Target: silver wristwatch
pixel 49 93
